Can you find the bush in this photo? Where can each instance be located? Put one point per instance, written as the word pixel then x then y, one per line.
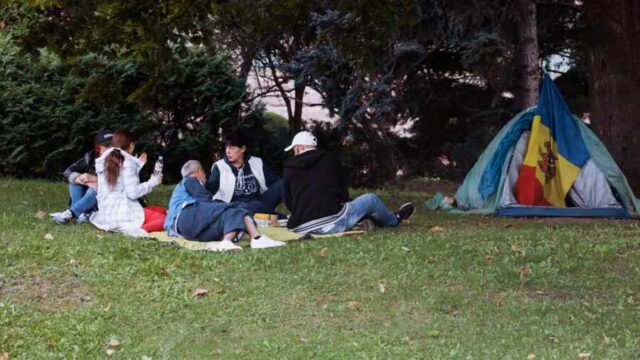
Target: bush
pixel 49 111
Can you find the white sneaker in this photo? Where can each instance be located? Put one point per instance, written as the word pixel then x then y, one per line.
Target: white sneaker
pixel 83 218
pixel 224 245
pixel 264 242
pixel 61 218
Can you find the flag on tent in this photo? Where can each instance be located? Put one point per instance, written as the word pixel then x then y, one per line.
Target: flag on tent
pixel 555 154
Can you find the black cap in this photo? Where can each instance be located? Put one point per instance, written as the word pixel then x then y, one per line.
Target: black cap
pixel 103 137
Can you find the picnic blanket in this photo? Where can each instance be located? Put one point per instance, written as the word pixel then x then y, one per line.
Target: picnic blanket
pixel 276 233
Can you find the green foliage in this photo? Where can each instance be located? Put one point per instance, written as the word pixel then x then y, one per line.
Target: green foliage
pixel 49 110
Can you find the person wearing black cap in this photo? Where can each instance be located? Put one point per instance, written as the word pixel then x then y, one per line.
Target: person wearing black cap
pixel 240 177
pixel 83 183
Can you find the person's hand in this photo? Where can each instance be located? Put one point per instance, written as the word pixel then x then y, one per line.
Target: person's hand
pixel 158 178
pixel 93 185
pixel 91 179
pixel 143 158
pixel 82 179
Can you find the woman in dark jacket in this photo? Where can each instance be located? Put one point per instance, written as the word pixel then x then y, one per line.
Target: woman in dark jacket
pixel 83 183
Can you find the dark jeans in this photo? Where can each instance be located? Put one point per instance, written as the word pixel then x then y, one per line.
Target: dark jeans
pixel 210 221
pixel 83 199
pixel 267 201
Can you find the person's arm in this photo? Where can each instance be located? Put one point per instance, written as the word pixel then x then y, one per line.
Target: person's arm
pixel 286 190
pixel 344 181
pixel 213 183
pixel 132 186
pixel 76 169
pixel 196 189
pixel 269 176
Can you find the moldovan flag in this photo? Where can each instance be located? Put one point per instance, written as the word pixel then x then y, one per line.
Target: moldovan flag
pixel 555 154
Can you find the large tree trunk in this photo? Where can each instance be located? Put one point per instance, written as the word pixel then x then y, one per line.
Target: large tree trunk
pixel 613 50
pixel 526 56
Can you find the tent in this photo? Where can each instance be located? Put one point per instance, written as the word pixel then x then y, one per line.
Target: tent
pixel 546 162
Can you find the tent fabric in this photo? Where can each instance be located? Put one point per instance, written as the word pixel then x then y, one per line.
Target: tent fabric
pixel 489 185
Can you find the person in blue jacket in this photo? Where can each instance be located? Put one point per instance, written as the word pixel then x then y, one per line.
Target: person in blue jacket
pixel 195 216
pixel 240 177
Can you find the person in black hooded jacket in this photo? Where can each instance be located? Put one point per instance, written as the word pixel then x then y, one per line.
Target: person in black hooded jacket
pixel 83 183
pixel 317 194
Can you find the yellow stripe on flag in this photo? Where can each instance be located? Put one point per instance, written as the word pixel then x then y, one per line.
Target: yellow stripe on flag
pixel 555 173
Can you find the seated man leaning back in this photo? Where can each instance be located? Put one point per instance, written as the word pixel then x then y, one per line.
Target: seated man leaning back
pixel 240 177
pixel 316 192
pixel 195 216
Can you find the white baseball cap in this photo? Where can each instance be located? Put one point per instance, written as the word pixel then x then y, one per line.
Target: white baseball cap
pixel 303 138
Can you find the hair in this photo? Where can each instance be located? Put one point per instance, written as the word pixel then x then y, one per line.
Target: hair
pixel 190 167
pixel 235 139
pixel 122 139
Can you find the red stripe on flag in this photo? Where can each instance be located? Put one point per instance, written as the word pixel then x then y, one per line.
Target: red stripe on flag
pixel 528 190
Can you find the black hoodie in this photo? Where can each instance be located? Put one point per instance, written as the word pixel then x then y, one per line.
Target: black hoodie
pixel 314 186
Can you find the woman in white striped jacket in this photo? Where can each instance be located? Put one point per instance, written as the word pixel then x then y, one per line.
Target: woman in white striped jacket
pixel 119 189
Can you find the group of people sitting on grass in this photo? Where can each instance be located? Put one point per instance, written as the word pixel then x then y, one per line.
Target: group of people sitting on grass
pixel 106 190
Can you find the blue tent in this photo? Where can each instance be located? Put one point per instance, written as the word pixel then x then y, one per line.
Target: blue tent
pixel 599 190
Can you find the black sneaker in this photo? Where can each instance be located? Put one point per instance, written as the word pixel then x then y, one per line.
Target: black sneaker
pixel 405 212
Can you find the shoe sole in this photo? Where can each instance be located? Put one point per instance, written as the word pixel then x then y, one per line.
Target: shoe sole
pixel 268 247
pixel 412 213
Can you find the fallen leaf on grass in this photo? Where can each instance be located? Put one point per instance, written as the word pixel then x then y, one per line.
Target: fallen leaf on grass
pixel 433 333
pixel 455 313
pixel 531 357
pixel 382 287
pixel 41 214
pixel 517 249
pixel 489 256
pixel 86 298
pixel 4 356
pixel 436 229
pixel 48 236
pixel 323 251
pixel 114 344
pixel 354 305
pixel 1 305
pixel 589 314
pixel 73 262
pixel 630 300
pixel 554 339
pixel 100 236
pixel 584 356
pixel 304 340
pixel 164 271
pixel 405 248
pixel 506 226
pixel 110 352
pixel 524 271
pixel 199 292
pixel 498 301
pixel 606 339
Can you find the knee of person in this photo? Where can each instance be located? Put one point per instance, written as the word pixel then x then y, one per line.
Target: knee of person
pixel 241 213
pixel 370 197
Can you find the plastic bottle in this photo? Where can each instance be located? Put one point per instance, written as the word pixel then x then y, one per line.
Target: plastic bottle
pixel 157 169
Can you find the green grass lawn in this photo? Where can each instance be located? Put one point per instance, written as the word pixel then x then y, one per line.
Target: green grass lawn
pixel 483 288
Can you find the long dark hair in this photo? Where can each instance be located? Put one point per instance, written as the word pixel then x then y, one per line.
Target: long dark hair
pixel 122 139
